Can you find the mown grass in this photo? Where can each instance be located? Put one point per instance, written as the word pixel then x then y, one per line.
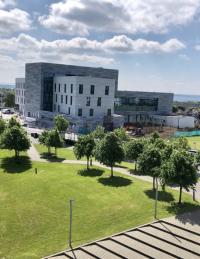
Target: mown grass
pixel 34 218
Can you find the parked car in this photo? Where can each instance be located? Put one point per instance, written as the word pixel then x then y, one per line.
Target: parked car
pixel 193 151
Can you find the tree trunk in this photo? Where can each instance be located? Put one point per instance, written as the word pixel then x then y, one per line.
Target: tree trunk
pixel 111 171
pixel 49 151
pixel 180 195
pixel 15 153
pixel 55 152
pixel 135 165
pixel 154 183
pixel 87 163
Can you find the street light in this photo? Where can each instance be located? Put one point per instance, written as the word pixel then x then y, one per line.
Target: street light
pixel 70 227
pixel 195 144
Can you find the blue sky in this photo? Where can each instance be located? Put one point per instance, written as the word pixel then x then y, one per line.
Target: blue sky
pixel 154 44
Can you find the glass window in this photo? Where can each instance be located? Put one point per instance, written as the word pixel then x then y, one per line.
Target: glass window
pixel 71 100
pixel 71 88
pixel 88 101
pixel 91 112
pixel 59 87
pixel 99 101
pixel 106 90
pixel 65 88
pixel 92 89
pixel 109 112
pixel 79 112
pixel 61 98
pixel 80 89
pixel 56 98
pixel 54 107
pixel 69 110
pixel 66 99
pixel 58 108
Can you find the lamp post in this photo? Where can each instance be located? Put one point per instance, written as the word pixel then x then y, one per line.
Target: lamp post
pixel 70 226
pixel 195 145
pixel 156 197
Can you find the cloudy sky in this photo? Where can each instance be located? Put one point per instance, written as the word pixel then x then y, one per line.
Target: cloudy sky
pixel 155 44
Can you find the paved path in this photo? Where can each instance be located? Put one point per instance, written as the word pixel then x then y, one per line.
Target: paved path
pixel 174 237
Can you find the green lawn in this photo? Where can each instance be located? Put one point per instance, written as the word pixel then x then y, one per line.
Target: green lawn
pixel 191 141
pixel 34 218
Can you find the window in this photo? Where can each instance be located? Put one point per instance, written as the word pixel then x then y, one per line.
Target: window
pixel 65 88
pixel 80 89
pixel 109 112
pixel 66 99
pixel 79 112
pixel 88 101
pixel 61 98
pixel 99 101
pixel 54 107
pixel 71 88
pixel 69 110
pixel 58 108
pixel 71 100
pixel 106 90
pixel 92 89
pixel 91 112
pixel 56 98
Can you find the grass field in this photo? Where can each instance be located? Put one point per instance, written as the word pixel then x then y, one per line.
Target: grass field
pixel 34 218
pixel 191 141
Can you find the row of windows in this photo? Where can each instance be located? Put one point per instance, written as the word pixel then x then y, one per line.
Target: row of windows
pixel 19 92
pixel 20 100
pixel 71 98
pixel 92 88
pixel 20 85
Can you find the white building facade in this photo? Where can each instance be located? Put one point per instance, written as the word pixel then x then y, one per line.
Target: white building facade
pixel 20 94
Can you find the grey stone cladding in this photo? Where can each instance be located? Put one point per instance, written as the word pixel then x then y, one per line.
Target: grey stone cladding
pixel 165 101
pixel 34 73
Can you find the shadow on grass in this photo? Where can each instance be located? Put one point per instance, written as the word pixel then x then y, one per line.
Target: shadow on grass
pixel 134 172
pixel 121 166
pixel 51 157
pixel 162 195
pixel 177 209
pixel 11 166
pixel 91 172
pixel 116 181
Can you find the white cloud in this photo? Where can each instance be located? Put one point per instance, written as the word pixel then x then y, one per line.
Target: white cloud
pixel 5 3
pixel 197 47
pixel 183 56
pixel 14 20
pixel 121 16
pixel 137 64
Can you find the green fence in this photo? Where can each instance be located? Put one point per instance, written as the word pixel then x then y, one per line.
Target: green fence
pixel 187 133
pixel 84 131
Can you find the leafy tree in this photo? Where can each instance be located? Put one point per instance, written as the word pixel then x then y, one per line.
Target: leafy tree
pixel 159 143
pixel 85 147
pixel 44 140
pixel 180 107
pixel 13 122
pixel 166 152
pixel 10 99
pixel 197 157
pixel 15 138
pixel 133 149
pixel 179 170
pixel 109 151
pixel 54 140
pixel 154 136
pixel 60 123
pixel 99 133
pixel 3 126
pixel 174 109
pixel 182 143
pixel 121 134
pixel 150 161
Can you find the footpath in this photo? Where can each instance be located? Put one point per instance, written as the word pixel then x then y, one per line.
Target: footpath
pixel 34 156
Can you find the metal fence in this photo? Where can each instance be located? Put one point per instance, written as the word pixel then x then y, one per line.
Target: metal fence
pixel 187 133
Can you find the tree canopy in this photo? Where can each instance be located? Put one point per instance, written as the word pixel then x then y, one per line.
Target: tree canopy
pixel 180 170
pixel 85 147
pixel 109 151
pixel 54 140
pixel 44 139
pixel 121 134
pixel 10 99
pixel 99 133
pixel 3 126
pixel 60 123
pixel 13 122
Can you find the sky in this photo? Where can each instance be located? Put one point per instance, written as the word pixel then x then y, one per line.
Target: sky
pixel 155 44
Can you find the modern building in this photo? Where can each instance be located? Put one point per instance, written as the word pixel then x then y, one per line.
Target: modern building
pixel 20 94
pixel 85 96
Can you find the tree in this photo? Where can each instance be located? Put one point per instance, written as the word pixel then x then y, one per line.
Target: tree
pixel 109 151
pixel 154 136
pixel 3 126
pixel 60 123
pixel 54 140
pixel 121 134
pixel 150 161
pixel 13 122
pixel 179 170
pixel 197 157
pixel 159 143
pixel 15 138
pixel 10 99
pixel 182 143
pixel 85 147
pixel 174 109
pixel 166 152
pixel 44 140
pixel 133 149
pixel 99 133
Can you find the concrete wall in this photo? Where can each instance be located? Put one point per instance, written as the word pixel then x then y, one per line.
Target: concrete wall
pixel 176 121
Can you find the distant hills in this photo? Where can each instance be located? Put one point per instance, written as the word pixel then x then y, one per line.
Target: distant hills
pixel 6 86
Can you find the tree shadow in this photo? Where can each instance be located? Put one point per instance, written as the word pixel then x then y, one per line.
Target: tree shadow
pixel 91 172
pixel 162 195
pixel 12 166
pixel 121 166
pixel 134 172
pixel 51 157
pixel 115 181
pixel 192 218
